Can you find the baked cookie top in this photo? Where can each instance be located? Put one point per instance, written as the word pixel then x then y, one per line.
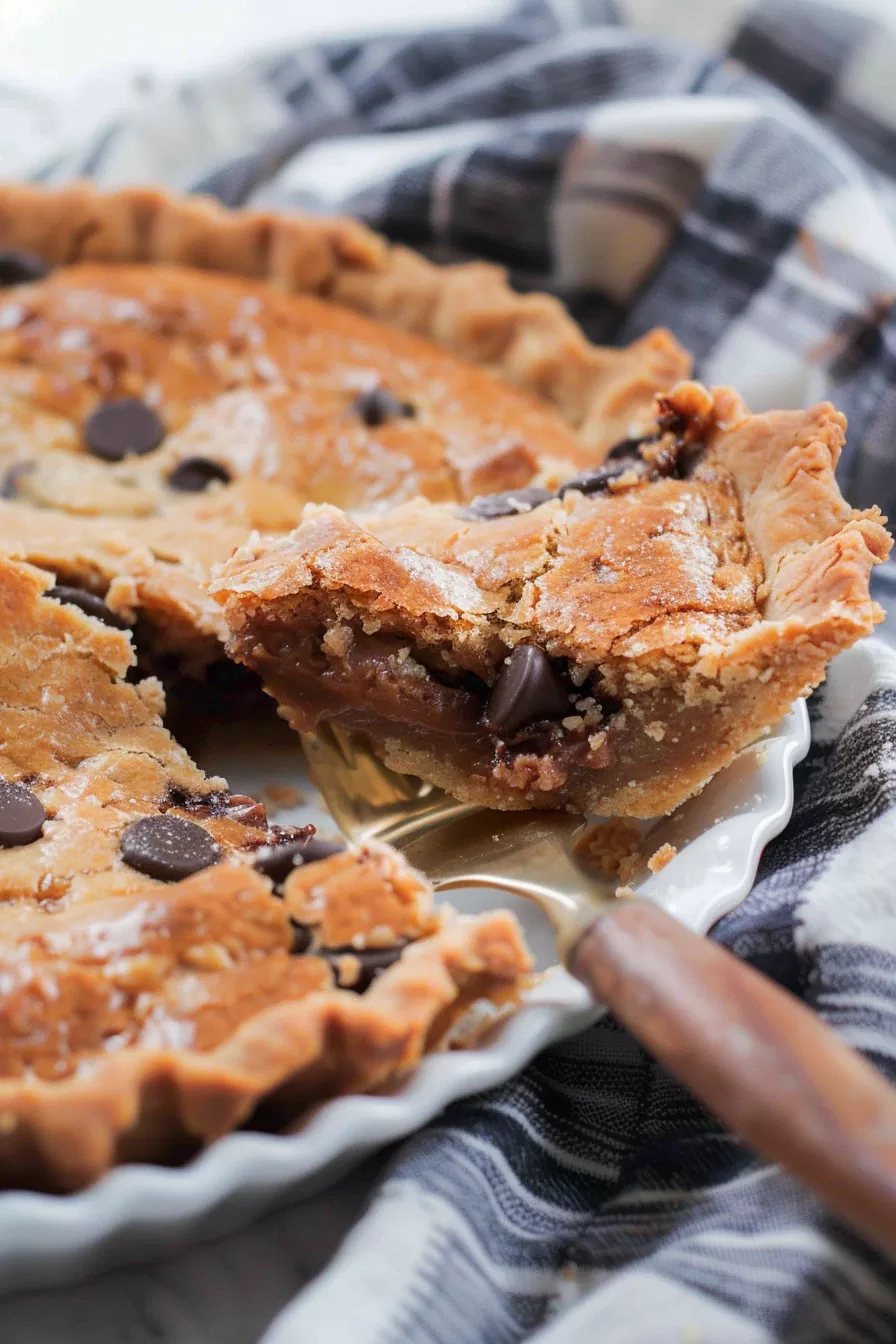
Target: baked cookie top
pixel 131 390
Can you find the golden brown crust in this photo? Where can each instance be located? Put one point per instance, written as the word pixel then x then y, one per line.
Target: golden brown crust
pixel 141 1018
pixel 182 1077
pixel 157 568
pixel 366 897
pixel 529 340
pixel 690 614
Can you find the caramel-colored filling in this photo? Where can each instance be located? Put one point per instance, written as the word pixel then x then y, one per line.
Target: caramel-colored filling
pixel 382 687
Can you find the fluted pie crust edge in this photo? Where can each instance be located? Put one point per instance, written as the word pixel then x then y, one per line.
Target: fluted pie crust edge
pixel 528 340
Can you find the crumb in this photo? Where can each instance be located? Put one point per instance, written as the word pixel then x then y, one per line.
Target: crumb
pixel 608 844
pixel 279 797
pixel 665 854
pixel 630 867
pixel 348 970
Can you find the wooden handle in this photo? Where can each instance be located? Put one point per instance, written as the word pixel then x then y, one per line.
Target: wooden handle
pixel 757 1057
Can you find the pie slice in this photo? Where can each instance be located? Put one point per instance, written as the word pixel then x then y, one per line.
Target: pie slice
pixel 171 965
pixel 604 647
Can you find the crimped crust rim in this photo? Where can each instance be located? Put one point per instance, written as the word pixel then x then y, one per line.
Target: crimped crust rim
pixel 74 1127
pixel 470 309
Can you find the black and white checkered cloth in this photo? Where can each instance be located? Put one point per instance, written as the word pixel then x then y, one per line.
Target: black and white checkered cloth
pixel 729 171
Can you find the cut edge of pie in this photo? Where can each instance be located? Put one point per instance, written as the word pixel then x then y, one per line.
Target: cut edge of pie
pixel 469 309
pixel 682 616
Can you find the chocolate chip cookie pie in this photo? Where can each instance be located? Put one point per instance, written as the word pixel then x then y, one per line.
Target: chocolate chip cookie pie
pixel 173 374
pixel 171 965
pixel 483 545
pixel 604 646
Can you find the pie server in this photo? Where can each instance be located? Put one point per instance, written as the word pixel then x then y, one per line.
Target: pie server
pixel 756 1056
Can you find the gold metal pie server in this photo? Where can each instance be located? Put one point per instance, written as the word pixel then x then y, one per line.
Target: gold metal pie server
pixel 756 1056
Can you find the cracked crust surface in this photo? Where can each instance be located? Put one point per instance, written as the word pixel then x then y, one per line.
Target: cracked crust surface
pixel 144 1017
pixel 685 614
pixel 264 384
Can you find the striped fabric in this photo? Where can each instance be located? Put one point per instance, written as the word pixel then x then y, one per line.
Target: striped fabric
pixel 728 170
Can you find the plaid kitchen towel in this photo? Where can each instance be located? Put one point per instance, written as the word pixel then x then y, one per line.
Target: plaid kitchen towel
pixel 729 171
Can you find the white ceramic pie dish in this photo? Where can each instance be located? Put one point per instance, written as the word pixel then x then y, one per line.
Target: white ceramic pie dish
pixel 136 1212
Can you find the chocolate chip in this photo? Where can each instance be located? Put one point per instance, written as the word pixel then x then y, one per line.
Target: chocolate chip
pixel 596 480
pixel 22 815
pixel 527 691
pixel 372 962
pixel 167 847
pixel 378 405
pixel 688 459
pixel 195 474
pixel 89 603
pixel 9 483
pixel 672 421
pixel 508 502
pixel 277 861
pixel 301 939
pixel 123 428
pixel 316 849
pixel 627 448
pixel 21 268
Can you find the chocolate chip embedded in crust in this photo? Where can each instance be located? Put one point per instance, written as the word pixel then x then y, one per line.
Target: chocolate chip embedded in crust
pixel 195 474
pixel 168 848
pixel 22 815
pixel 123 428
pixel 627 448
pixel 372 961
pixel 597 479
pixel 277 861
pixel 301 939
pixel 21 268
pixel 378 405
pixel 688 458
pixel 485 507
pixel 527 691
pixel 9 483
pixel 316 849
pixel 89 603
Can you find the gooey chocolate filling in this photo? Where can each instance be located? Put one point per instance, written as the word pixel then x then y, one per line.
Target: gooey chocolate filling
pixel 379 681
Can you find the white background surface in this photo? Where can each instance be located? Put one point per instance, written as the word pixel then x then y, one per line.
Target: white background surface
pixel 54 44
